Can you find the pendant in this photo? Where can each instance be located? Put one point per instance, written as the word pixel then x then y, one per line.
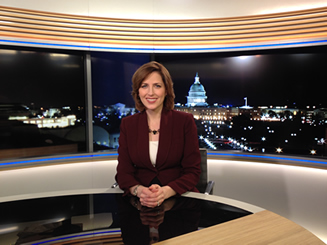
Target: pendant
pixel 154 132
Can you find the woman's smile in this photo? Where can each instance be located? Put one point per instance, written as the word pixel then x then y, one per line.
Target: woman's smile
pixel 150 100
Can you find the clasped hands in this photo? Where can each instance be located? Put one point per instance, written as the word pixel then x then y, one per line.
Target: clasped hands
pixel 154 195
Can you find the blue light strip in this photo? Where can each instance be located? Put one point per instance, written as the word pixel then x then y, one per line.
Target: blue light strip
pixel 275 45
pixel 116 154
pixel 78 236
pixel 267 157
pixel 58 158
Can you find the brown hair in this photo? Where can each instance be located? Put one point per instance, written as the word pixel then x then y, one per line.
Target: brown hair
pixel 142 73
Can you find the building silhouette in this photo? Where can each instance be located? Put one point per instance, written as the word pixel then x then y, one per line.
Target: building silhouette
pixel 197 94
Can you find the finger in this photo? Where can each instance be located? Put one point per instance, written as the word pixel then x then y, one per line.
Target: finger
pixel 152 199
pixel 150 194
pixel 150 204
pixel 154 187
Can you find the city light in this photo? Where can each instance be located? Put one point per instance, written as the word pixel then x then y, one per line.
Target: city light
pixel 279 150
pixel 212 146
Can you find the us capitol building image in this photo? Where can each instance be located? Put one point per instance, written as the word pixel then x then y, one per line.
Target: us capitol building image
pixel 201 110
pixel 261 128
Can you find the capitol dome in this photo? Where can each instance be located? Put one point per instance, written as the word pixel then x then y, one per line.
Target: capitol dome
pixel 197 87
pixel 197 94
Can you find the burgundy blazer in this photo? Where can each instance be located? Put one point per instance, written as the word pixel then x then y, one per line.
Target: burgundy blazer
pixel 178 157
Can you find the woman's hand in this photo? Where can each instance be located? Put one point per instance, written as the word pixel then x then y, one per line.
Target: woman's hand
pixel 151 197
pixel 155 195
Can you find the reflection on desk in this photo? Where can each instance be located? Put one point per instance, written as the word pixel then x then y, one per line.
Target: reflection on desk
pixel 142 225
pixel 107 218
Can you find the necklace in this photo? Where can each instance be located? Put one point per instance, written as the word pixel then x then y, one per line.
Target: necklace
pixel 154 131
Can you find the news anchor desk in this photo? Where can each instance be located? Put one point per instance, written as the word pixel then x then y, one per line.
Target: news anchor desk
pixel 262 227
pixel 110 218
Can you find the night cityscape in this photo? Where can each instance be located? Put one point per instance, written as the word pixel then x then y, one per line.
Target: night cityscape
pixel 247 103
pixel 263 129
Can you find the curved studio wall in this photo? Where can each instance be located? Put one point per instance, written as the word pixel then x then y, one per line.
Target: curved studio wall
pixel 155 26
pixel 201 33
pixel 167 27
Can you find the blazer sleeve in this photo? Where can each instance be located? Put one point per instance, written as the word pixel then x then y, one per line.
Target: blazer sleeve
pixel 191 160
pixel 125 175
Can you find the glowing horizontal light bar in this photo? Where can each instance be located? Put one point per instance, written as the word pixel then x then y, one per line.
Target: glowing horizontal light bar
pixel 78 236
pixel 167 49
pixel 58 158
pixel 267 157
pixel 116 154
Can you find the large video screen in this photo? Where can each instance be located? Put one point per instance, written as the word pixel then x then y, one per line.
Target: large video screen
pixel 42 100
pixel 263 101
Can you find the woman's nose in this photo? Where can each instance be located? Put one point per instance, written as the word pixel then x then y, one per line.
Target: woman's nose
pixel 150 90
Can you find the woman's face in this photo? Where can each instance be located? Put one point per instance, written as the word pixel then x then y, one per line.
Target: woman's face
pixel 152 92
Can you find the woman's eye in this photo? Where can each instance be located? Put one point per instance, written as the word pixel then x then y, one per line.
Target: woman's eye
pixel 143 86
pixel 158 86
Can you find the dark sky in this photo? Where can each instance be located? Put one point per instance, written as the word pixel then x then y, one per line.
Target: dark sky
pixel 112 76
pixel 265 79
pixel 46 79
pixel 270 77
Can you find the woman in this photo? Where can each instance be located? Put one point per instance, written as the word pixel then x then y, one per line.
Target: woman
pixel 158 154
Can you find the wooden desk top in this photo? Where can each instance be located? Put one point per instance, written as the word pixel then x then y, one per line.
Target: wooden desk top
pixel 264 227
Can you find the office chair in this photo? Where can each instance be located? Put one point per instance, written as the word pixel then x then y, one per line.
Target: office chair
pixel 204 186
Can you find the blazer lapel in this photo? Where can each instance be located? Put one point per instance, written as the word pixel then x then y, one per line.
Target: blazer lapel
pixel 166 130
pixel 143 139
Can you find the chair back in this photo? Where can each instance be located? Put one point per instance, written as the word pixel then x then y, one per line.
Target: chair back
pixel 202 184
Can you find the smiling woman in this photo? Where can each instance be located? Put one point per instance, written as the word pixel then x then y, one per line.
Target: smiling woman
pixel 161 158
